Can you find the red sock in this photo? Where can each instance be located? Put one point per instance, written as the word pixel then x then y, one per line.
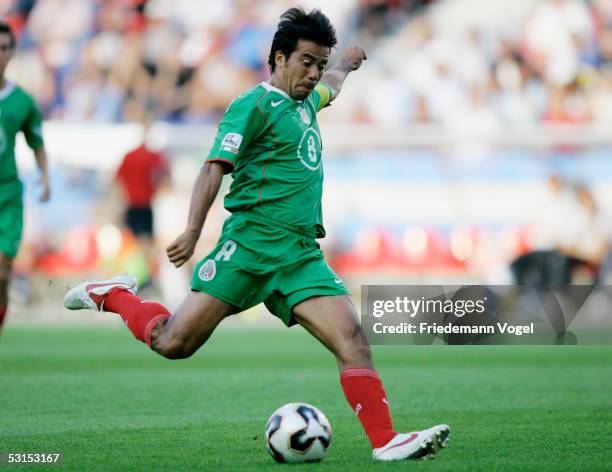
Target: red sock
pixel 366 395
pixel 139 315
pixel 2 315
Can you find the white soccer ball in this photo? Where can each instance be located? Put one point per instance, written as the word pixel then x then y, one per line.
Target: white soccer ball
pixel 298 432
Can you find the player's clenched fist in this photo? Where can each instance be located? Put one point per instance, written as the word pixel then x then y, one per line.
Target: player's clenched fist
pixel 353 57
pixel 181 249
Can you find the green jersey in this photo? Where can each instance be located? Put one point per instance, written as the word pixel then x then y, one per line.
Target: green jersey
pixel 272 145
pixel 18 112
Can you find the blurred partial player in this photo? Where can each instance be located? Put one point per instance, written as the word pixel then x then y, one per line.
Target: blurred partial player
pixel 140 175
pixel 18 112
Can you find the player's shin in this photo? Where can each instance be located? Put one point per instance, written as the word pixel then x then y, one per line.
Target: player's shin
pixel 140 316
pixel 366 395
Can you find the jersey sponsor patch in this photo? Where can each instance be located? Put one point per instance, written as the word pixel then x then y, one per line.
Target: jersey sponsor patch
pixel 232 140
pixel 208 270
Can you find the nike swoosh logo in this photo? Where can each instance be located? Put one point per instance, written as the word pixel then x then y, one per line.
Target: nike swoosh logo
pixel 338 281
pixel 275 104
pixel 412 437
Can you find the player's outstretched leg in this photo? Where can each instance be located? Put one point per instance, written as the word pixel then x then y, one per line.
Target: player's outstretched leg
pixel 175 336
pixel 333 321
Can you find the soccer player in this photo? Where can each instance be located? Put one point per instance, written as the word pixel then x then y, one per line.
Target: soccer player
pixel 18 112
pixel 141 173
pixel 269 140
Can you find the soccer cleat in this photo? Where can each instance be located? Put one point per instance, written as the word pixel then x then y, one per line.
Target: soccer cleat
pixel 416 445
pixel 91 295
pixel 441 434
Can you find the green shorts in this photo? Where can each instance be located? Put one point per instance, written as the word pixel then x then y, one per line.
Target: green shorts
pixel 11 217
pixel 256 262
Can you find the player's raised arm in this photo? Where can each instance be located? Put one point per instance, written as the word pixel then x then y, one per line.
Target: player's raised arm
pixel 204 192
pixel 350 61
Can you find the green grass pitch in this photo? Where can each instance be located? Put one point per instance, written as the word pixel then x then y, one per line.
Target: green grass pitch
pixel 109 404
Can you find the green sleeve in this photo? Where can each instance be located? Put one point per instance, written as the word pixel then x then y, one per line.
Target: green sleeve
pixel 242 123
pixel 32 127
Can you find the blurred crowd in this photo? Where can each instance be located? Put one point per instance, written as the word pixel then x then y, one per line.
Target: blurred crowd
pixel 185 60
pixel 552 66
pixel 181 60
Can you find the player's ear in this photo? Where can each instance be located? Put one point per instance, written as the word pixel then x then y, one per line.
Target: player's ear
pixel 279 59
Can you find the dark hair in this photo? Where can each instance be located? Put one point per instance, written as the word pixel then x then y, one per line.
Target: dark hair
pixel 6 29
pixel 296 24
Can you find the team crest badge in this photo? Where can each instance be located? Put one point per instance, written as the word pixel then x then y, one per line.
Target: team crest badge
pixel 304 115
pixel 208 270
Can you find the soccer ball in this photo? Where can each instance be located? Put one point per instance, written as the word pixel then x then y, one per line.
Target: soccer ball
pixel 298 432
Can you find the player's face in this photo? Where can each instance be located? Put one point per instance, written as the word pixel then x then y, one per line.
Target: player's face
pixel 300 73
pixel 6 51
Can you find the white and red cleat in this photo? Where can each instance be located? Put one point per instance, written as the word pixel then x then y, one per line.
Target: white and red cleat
pixel 416 445
pixel 91 295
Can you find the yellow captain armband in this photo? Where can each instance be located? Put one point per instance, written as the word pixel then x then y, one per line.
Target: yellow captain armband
pixel 325 92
